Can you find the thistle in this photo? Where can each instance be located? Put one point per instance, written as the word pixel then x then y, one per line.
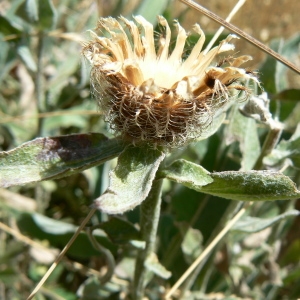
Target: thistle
pixel 148 94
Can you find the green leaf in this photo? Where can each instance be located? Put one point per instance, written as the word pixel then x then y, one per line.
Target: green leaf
pixel 149 9
pixel 293 119
pixel 235 185
pixel 289 50
pixel 47 15
pixel 38 12
pixel 56 157
pixel 251 186
pixel 131 180
pixel 92 289
pixel 251 224
pixel 153 265
pixel 58 233
pixel 7 27
pixel 268 70
pixel 120 231
pixel 65 70
pixel 189 174
pixel 213 127
pixel 32 10
pixel 286 149
pixel 26 56
pixel 274 73
pixel 244 131
pixel 192 244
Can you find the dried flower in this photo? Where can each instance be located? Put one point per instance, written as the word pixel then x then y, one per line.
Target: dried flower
pixel 150 95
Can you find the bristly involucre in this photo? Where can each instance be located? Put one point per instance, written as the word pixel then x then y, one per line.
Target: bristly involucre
pixel 150 95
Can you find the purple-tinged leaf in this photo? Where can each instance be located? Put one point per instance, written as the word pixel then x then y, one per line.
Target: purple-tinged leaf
pixel 55 157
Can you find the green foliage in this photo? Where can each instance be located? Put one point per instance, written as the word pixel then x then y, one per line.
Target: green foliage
pixel 131 180
pixel 55 157
pixel 234 185
pixel 46 116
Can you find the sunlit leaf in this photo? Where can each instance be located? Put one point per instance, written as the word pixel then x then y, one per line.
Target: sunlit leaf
pixel 252 186
pixel 131 180
pixel 187 173
pixel 55 157
pixel 235 185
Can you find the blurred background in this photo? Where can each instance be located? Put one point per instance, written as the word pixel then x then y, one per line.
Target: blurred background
pixel 45 91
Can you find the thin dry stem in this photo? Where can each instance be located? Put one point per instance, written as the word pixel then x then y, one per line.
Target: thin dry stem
pixel 62 253
pixel 236 8
pixel 206 251
pixel 241 33
pixel 19 236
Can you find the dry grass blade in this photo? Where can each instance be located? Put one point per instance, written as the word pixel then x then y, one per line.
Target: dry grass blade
pixel 206 251
pixel 61 255
pixel 236 8
pixel 241 33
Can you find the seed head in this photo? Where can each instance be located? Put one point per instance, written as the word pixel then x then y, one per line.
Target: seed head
pixel 149 94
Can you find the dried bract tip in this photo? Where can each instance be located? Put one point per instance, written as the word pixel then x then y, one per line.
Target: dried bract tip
pixel 152 95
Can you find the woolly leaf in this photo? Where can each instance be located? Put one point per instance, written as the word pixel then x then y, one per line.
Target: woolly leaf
pixel 131 180
pixel 251 186
pixel 55 157
pixel 235 185
pixel 189 174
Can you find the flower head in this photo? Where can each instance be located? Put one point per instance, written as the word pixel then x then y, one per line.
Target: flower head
pixel 150 94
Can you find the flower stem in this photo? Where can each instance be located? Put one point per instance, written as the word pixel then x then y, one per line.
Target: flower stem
pixel 149 217
pixel 269 144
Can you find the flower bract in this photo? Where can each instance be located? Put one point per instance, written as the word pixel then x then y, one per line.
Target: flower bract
pixel 149 93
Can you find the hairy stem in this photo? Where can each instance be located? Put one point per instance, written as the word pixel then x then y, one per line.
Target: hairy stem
pixel 149 217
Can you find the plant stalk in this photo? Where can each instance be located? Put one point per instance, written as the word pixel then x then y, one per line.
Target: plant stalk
pixel 39 81
pixel 269 144
pixel 149 217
